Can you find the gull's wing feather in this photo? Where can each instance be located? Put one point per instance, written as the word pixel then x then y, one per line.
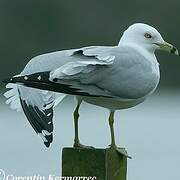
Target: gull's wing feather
pixel 32 101
pixel 88 62
pixel 37 106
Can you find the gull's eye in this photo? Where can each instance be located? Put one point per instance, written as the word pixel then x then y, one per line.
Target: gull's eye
pixel 147 35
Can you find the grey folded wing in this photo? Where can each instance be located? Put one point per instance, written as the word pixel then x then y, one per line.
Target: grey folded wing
pixel 75 77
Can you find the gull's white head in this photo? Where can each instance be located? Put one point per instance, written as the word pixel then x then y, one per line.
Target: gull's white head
pixel 147 37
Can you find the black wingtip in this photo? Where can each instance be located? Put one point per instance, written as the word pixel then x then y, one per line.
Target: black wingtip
pixel 47 144
pixel 49 139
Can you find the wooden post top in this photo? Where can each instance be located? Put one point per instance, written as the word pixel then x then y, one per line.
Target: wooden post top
pixel 104 164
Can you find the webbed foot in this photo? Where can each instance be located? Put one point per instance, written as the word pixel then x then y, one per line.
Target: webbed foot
pixel 121 151
pixel 79 145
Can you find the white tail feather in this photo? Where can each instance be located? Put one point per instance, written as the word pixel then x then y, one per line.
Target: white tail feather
pixel 13 97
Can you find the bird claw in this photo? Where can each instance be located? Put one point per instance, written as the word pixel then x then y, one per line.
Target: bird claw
pixel 121 151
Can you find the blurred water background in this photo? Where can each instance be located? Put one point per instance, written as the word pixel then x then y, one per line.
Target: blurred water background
pixel 150 131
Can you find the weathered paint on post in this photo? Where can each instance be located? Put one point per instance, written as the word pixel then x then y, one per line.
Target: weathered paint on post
pixel 104 164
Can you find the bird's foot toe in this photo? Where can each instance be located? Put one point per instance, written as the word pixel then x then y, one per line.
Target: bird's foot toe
pixel 78 145
pixel 121 151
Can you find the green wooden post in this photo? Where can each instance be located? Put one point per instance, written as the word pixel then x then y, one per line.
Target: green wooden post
pixel 104 164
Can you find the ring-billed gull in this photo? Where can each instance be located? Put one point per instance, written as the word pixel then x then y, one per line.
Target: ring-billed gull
pixel 114 77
